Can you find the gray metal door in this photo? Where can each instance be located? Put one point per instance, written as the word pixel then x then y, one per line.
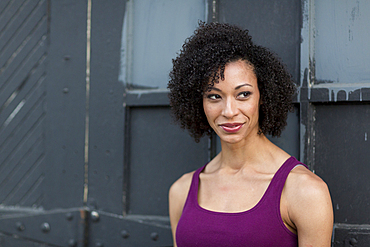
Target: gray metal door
pixel 41 166
pixel 88 149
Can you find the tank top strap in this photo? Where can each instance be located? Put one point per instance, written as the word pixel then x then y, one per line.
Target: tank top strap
pixel 193 190
pixel 278 181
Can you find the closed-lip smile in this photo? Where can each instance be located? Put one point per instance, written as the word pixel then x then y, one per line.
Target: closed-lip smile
pixel 231 127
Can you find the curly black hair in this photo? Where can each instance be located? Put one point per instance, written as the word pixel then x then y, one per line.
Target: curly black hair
pixel 201 63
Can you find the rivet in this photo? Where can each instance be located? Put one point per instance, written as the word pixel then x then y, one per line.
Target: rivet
pixel 69 216
pixel 125 234
pixel 99 244
pixel 67 57
pixel 154 236
pixel 45 227
pixel 95 216
pixel 66 90
pixel 20 227
pixel 72 243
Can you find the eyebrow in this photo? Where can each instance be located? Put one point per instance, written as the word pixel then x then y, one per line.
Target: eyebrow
pixel 236 88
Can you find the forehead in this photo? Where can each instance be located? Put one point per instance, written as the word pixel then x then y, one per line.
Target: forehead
pixel 239 67
pixel 238 72
pixel 242 66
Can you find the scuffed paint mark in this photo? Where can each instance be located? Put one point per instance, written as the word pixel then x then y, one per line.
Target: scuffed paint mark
pixel 124 75
pixel 365 136
pixel 14 113
pixel 350 34
pixel 355 13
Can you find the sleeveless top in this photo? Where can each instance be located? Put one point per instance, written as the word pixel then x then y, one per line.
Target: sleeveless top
pixel 259 226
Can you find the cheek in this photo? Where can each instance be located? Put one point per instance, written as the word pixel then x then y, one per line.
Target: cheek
pixel 210 111
pixel 207 111
pixel 251 111
pixel 256 108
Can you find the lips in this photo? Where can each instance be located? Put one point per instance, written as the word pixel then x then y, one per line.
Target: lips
pixel 231 127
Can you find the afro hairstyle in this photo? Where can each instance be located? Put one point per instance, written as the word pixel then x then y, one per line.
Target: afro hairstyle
pixel 201 63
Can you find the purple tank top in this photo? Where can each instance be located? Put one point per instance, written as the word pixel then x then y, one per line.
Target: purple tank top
pixel 260 226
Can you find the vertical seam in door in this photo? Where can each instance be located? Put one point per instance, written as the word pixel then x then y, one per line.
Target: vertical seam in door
pixel 88 53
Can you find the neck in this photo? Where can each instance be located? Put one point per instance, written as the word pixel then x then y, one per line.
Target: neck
pixel 250 152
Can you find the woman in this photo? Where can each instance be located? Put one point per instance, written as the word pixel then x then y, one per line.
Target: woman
pixel 252 193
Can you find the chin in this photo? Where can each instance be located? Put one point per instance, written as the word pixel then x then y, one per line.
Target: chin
pixel 238 138
pixel 232 139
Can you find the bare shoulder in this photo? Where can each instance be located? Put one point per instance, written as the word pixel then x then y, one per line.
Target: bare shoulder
pixel 302 184
pixel 309 207
pixel 180 188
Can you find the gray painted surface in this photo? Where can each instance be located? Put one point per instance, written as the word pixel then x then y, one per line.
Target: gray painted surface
pixel 335 68
pixel 23 53
pixel 106 112
pixel 42 105
pixel 66 105
pixel 342 158
pixel 273 24
pixel 158 147
pixel 341 35
pixel 158 30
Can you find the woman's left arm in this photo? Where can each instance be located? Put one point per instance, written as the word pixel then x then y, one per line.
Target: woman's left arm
pixel 310 209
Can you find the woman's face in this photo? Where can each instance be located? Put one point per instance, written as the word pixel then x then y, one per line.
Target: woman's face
pixel 232 105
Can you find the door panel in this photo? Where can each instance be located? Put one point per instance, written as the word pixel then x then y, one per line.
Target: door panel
pixel 158 29
pixel 273 24
pixel 159 152
pixel 340 37
pixel 343 163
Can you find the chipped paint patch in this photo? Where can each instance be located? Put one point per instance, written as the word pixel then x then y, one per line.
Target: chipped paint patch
pixel 347 88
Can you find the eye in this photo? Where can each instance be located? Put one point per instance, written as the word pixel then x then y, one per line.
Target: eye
pixel 213 96
pixel 244 94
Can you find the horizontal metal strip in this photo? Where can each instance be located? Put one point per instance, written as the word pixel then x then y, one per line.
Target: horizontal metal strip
pixel 351 235
pixel 335 94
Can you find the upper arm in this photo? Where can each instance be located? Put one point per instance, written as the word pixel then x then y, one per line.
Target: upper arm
pixel 310 209
pixel 177 197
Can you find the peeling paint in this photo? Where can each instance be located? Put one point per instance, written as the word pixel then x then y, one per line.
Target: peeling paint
pixel 347 88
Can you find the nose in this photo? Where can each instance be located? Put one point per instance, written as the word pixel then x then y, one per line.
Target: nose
pixel 230 108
